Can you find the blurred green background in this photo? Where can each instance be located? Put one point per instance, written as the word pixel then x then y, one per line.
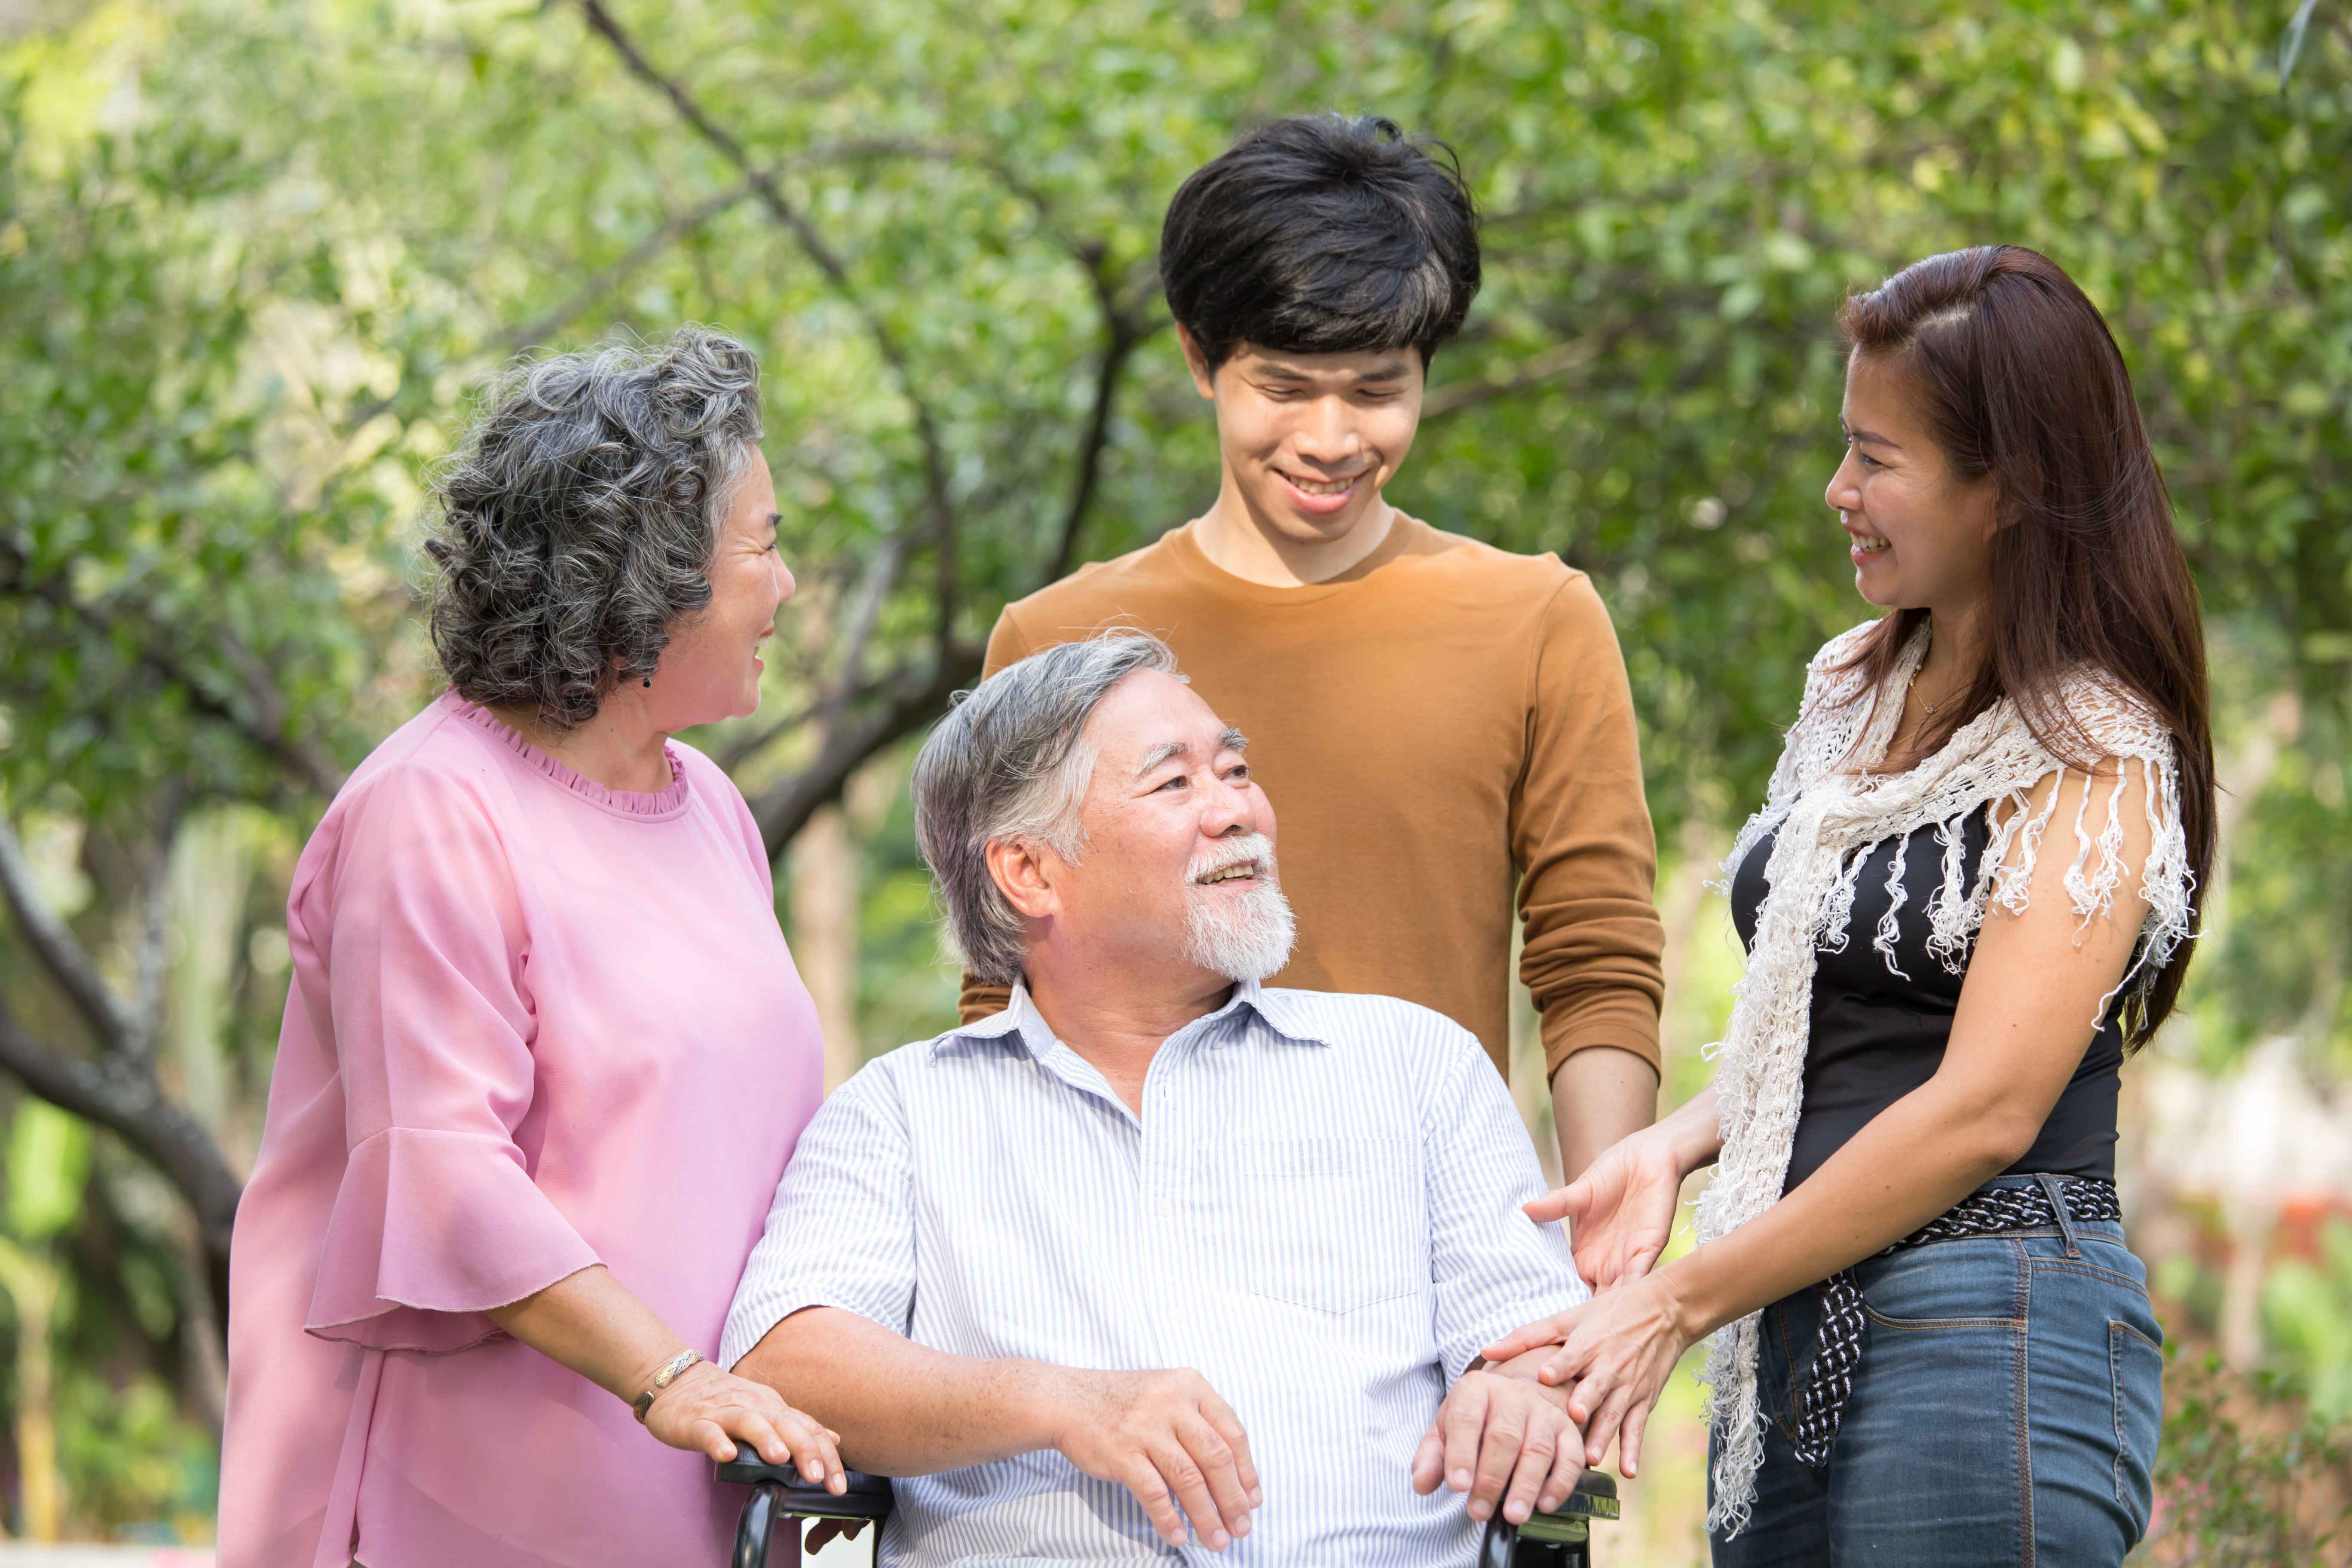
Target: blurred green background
pixel 258 258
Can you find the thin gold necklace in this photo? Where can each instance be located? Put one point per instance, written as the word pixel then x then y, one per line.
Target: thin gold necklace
pixel 1912 689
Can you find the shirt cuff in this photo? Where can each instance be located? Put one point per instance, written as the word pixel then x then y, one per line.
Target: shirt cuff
pixel 748 1323
pixel 1626 1020
pixel 1463 1351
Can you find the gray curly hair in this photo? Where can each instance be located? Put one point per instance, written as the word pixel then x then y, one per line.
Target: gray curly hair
pixel 577 520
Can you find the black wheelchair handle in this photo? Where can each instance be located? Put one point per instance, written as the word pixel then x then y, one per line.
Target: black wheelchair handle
pixel 865 1497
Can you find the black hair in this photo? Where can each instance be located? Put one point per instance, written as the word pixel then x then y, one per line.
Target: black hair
pixel 1321 234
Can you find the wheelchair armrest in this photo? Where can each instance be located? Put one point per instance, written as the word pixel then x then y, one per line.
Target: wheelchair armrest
pixel 1558 1537
pixel 1595 1496
pixel 866 1496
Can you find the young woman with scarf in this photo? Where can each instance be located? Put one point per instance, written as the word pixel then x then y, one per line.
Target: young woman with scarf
pixel 1969 895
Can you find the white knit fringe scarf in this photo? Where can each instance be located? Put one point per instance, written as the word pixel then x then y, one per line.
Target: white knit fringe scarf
pixel 1830 813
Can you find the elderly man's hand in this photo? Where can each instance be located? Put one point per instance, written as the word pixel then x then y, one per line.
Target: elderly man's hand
pixel 1168 1438
pixel 1505 1440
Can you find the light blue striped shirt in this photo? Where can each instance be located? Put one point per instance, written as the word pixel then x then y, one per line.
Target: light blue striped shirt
pixel 1318 1211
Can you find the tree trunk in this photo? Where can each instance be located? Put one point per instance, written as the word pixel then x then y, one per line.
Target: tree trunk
pixel 32 1282
pixel 824 934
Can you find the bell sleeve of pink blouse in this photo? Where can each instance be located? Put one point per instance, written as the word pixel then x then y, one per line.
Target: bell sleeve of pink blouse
pixel 424 946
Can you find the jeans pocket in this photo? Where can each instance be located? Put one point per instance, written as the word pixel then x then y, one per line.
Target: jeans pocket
pixel 2136 1365
pixel 1968 1283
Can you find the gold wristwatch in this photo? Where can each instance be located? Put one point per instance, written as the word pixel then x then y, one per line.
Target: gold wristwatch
pixel 663 1379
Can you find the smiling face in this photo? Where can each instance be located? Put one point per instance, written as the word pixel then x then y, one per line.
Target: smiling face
pixel 710 670
pixel 1309 440
pixel 1919 537
pixel 1177 874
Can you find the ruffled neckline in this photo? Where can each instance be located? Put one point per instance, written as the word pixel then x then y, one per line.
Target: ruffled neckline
pixel 648 805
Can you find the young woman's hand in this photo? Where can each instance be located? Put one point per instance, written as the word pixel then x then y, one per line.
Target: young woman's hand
pixel 1616 1351
pixel 1620 1211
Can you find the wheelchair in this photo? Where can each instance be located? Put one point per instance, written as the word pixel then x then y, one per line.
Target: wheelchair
pixel 1561 1539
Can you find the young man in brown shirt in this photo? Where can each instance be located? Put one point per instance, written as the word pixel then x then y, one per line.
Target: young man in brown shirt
pixel 1437 723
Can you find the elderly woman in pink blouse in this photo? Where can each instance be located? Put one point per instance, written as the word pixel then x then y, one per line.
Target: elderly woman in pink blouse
pixel 546 1054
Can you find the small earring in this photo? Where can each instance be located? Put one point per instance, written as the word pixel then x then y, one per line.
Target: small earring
pixel 649 681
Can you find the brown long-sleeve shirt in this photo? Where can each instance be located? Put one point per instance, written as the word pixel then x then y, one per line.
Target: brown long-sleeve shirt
pixel 1440 724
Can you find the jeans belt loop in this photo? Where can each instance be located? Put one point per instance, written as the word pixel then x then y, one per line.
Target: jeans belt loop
pixel 2058 1206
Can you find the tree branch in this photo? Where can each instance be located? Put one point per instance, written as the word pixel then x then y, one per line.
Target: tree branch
pixel 114 1095
pixel 907 703
pixel 1119 339
pixel 874 585
pixel 938 502
pixel 65 959
pixel 759 739
pixel 263 728
pixel 606 278
pixel 1505 380
pixel 155 933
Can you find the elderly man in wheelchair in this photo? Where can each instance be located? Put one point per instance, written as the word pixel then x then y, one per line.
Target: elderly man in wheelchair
pixel 1159 1262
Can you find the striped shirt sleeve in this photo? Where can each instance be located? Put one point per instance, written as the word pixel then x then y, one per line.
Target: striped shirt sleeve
pixel 841 1232
pixel 1492 1266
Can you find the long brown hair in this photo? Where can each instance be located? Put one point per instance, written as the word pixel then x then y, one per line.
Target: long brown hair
pixel 2017 377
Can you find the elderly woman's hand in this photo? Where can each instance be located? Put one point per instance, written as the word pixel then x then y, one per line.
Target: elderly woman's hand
pixel 1617 1349
pixel 708 1411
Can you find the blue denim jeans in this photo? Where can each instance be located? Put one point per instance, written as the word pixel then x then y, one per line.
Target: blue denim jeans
pixel 2006 1411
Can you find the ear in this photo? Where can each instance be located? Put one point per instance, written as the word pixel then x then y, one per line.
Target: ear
pixel 1023 874
pixel 1204 378
pixel 1993 516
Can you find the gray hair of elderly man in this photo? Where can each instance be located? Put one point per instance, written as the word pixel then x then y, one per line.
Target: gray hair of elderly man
pixel 1010 761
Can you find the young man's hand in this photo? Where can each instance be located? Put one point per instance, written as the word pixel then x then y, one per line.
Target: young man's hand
pixel 1167 1438
pixel 1505 1440
pixel 1620 1211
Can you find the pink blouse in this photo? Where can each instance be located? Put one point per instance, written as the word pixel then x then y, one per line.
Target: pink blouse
pixel 535 1025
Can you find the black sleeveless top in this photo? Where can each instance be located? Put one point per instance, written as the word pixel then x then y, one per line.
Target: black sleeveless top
pixel 1877 1035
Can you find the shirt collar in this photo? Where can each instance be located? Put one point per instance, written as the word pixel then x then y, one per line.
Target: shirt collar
pixel 1283 1012
pixel 1018 1021
pixel 1286 1012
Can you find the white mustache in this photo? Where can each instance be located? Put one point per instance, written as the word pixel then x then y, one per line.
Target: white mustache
pixel 1256 849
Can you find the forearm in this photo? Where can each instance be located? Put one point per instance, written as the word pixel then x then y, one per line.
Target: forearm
pixel 590 1322
pixel 1909 1163
pixel 902 1409
pixel 1599 1095
pixel 1694 1130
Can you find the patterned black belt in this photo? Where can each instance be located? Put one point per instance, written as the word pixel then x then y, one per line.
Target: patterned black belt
pixel 1994 1211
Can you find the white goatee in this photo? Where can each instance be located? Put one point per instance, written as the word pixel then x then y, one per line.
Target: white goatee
pixel 1243 936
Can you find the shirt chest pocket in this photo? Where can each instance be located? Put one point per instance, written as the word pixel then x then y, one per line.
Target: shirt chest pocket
pixel 1333 1224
